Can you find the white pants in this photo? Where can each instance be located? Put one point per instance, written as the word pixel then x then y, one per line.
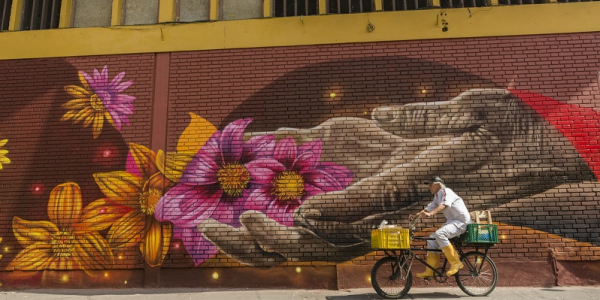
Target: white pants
pixel 443 235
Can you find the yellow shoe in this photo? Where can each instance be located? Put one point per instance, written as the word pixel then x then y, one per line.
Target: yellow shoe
pixel 454 260
pixel 433 259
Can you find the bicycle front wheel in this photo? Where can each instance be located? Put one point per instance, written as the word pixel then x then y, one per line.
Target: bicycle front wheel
pixel 479 275
pixel 391 279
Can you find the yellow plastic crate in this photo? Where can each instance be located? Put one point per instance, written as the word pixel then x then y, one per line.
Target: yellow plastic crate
pixel 390 238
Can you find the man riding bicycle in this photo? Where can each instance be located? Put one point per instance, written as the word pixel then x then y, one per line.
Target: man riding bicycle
pixel 457 218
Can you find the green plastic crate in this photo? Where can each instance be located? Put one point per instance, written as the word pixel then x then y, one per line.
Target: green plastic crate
pixel 481 233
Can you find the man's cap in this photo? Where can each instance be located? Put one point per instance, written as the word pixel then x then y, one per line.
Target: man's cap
pixel 434 179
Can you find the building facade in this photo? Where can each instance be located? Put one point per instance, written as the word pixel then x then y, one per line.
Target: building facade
pixel 231 143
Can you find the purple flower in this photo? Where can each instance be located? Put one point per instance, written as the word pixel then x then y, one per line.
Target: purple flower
pixel 215 184
pixel 118 105
pixel 293 175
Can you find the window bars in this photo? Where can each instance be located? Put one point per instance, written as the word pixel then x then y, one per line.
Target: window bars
pixel 40 14
pixel 350 6
pixel 289 8
pixel 5 6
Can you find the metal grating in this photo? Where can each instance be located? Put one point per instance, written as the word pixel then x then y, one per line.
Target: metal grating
pixel 349 6
pixel 5 6
pixel 290 8
pixel 40 14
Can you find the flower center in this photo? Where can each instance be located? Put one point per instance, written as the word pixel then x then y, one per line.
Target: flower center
pixel 62 244
pixel 149 199
pixel 288 185
pixel 233 178
pixel 96 103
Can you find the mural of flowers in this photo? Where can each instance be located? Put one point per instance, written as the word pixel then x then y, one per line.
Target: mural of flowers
pixel 98 100
pixel 70 240
pixel 3 159
pixel 139 190
pixel 291 176
pixel 215 184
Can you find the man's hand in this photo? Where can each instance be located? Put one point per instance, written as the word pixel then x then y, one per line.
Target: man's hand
pixel 471 140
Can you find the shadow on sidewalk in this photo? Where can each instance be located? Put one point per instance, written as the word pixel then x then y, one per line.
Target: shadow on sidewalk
pixel 409 296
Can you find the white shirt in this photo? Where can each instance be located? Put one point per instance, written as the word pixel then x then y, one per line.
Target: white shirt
pixel 455 206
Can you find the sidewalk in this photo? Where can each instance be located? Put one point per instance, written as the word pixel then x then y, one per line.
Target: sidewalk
pixel 513 293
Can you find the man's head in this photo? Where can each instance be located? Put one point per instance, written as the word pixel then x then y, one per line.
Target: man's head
pixel 435 184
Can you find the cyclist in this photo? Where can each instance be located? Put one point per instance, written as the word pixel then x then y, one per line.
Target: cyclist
pixel 457 218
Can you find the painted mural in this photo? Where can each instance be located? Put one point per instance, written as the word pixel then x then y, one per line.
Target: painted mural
pixel 277 187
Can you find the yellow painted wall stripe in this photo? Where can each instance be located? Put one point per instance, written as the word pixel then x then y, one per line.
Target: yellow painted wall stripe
pixel 166 11
pixel 214 10
pixel 267 8
pixel 313 30
pixel 65 14
pixel 117 13
pixel 322 7
pixel 15 16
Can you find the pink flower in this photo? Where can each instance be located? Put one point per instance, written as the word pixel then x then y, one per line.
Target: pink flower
pixel 215 184
pixel 293 175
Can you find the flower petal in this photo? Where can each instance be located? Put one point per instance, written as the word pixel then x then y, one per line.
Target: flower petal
pixel 64 206
pixel 199 248
pixel 144 158
pixel 92 252
pixel 315 147
pixel 202 170
pixel 342 174
pixel 285 152
pixel 283 213
pixel 98 125
pixel 232 140
pixel 121 187
pixel 35 257
pixel 195 135
pixel 127 231
pixel 264 171
pixel 32 232
pixel 259 199
pixel 156 243
pixel 322 180
pixel 172 165
pixel 77 92
pixel 230 208
pixel 258 147
pixel 99 215
pixel 187 206
pixel 304 161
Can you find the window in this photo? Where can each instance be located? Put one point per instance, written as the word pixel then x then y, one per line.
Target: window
pixel 288 8
pixel 140 12
pixel 5 6
pixel 349 6
pixel 40 14
pixel 88 13
pixel 241 9
pixel 463 3
pixel 391 5
pixel 192 10
pixel 519 2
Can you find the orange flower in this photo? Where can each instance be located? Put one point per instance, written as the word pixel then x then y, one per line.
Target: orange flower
pixel 70 240
pixel 140 194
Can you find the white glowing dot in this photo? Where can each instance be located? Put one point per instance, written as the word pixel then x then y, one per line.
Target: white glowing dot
pixel 503 237
pixel 423 91
pixel 6 249
pixel 298 269
pixel 106 153
pixel 215 275
pixel 369 278
pixel 105 275
pixel 125 282
pixel 120 256
pixel 332 95
pixel 64 278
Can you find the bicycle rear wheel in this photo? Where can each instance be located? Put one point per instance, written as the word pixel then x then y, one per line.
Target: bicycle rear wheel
pixel 479 275
pixel 391 279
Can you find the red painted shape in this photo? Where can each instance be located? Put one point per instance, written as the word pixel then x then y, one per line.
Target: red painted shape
pixel 580 125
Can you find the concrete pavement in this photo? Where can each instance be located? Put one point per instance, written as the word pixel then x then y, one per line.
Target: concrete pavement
pixel 512 293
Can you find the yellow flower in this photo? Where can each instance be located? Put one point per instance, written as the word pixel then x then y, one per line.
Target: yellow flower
pixel 98 99
pixel 3 158
pixel 70 240
pixel 140 194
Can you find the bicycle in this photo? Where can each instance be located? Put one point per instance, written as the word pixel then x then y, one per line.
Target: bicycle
pixel 391 276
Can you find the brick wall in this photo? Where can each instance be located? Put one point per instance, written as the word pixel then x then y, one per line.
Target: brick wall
pixel 495 146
